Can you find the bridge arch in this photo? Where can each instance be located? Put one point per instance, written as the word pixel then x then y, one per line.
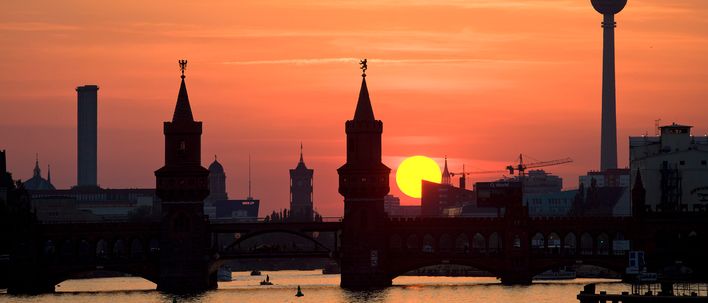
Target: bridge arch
pixel 553 243
pixel 102 248
pixel 136 249
pixel 428 243
pixel 67 249
pixel 479 244
pixel 252 235
pixel 495 243
pixel 603 244
pixel 586 244
pixel 412 242
pixel 119 249
pixel 537 243
pixel 462 243
pixel 570 244
pixel 395 242
pixel 84 249
pixel 445 243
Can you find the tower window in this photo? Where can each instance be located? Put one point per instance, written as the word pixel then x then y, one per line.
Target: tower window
pixel 182 146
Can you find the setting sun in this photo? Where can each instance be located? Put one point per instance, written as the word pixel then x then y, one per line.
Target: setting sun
pixel 413 170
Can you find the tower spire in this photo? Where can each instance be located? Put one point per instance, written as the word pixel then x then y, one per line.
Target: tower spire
pixel 363 105
pixel 301 160
pixel 446 174
pixel 37 171
pixel 183 111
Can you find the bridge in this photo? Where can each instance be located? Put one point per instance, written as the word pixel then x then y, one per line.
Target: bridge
pixel 182 251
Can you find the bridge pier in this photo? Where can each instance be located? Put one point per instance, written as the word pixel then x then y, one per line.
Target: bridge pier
pixel 25 284
pixel 184 281
pixel 516 278
pixel 362 281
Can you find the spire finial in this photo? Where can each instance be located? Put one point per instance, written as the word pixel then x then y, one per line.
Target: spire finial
pixel 182 67
pixel 301 152
pixel 363 67
pixel 214 157
pixel 37 171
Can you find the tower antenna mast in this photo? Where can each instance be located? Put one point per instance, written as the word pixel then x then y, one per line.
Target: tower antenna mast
pixel 249 178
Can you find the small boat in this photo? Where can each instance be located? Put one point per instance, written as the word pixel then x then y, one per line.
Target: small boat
pixel 255 272
pixel 299 292
pixel 224 274
pixel 266 281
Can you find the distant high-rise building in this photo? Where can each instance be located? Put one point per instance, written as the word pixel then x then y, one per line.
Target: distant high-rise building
pixel 87 139
pixel 217 183
pixel 674 168
pixel 301 208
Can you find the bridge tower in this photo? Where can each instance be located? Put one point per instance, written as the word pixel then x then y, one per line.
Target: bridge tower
pixel 363 181
pixel 182 185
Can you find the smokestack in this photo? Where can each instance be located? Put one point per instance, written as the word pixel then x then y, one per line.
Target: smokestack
pixel 87 139
pixel 608 141
pixel 3 164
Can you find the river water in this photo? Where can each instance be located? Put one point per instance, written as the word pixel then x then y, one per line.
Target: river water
pixel 322 288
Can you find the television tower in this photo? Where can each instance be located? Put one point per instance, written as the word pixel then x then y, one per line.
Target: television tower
pixel 608 144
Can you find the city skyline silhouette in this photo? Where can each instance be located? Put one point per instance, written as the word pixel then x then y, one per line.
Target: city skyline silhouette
pixel 445 88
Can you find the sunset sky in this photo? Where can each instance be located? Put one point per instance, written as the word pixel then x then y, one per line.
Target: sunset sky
pixel 479 81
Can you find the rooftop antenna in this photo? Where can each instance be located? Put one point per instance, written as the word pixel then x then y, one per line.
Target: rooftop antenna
pixel 249 178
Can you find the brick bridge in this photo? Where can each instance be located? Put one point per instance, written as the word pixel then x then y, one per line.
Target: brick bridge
pixel 181 252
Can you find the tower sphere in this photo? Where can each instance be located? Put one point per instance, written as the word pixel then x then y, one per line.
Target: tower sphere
pixel 608 6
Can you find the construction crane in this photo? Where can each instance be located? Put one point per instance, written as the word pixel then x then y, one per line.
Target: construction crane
pixel 522 167
pixel 464 173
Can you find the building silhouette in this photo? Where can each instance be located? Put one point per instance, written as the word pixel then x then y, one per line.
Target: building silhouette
pixel 87 139
pixel 217 183
pixel 674 168
pixel 182 185
pixel 37 182
pixel 301 206
pixel 218 205
pixel 363 181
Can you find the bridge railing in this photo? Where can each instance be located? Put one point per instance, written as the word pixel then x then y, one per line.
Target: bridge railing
pixel 268 220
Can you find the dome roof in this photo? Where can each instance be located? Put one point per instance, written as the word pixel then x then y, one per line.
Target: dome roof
pixel 216 167
pixel 38 183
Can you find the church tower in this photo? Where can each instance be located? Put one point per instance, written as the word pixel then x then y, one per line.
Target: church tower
pixel 446 177
pixel 363 181
pixel 301 192
pixel 182 186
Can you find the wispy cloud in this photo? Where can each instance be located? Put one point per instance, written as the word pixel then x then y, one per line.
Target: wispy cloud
pixel 311 61
pixel 468 4
pixel 36 26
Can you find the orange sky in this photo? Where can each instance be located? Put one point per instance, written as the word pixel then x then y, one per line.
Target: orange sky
pixel 480 81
